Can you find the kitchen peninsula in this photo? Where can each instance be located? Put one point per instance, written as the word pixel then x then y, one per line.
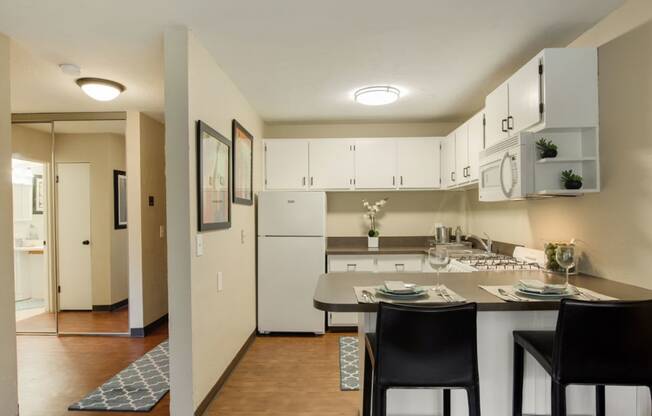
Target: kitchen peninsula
pixel 496 321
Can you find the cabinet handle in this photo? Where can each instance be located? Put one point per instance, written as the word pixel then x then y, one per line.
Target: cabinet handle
pixel 393 180
pixel 351 267
pixel 453 176
pixel 303 181
pixel 311 181
pixel 400 267
pixel 401 180
pixel 510 126
pixel 503 125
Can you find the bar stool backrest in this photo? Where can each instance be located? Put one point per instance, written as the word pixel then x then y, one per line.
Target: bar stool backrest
pixel 426 346
pixel 603 343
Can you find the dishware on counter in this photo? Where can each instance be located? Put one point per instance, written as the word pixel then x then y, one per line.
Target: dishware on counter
pixel 438 258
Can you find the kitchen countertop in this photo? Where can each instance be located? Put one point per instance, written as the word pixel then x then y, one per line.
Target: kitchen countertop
pixel 334 292
pixel 388 245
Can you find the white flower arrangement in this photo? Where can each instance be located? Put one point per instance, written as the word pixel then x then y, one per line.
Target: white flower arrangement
pixel 372 211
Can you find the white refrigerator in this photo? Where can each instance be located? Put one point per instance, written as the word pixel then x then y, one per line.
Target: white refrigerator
pixel 291 257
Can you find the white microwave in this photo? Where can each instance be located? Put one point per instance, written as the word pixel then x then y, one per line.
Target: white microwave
pixel 503 171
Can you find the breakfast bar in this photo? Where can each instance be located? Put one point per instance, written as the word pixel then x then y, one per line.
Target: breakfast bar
pixel 497 319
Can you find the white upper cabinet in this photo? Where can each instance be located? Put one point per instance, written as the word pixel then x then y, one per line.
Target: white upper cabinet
pixel 448 161
pixel 525 97
pixel 419 163
pixel 496 111
pixel 375 164
pixel 331 164
pixel 461 154
pixel 556 89
pixel 476 145
pixel 286 164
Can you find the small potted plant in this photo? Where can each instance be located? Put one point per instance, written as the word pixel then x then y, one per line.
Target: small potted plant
pixel 372 212
pixel 547 149
pixel 571 180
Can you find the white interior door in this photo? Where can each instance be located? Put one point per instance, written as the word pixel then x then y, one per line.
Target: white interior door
pixel 375 164
pixel 331 164
pixel 74 235
pixel 419 163
pixel 286 164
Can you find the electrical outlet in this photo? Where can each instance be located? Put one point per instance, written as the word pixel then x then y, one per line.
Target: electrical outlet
pixel 199 245
pixel 219 281
pixel 161 231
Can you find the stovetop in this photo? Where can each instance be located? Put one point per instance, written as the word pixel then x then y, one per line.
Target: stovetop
pixel 497 262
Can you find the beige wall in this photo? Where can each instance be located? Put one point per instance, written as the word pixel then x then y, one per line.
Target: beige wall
pixel 9 390
pixel 154 248
pixel 31 144
pixel 407 213
pixel 109 255
pixel 207 327
pixel 614 226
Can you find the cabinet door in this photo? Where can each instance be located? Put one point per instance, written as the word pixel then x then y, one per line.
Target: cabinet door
pixel 461 153
pixel 375 164
pixel 418 163
pixel 524 97
pixel 448 161
pixel 286 164
pixel 496 111
pixel 331 164
pixel 476 144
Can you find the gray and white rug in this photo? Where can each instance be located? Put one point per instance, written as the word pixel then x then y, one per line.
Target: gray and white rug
pixel 137 388
pixel 349 364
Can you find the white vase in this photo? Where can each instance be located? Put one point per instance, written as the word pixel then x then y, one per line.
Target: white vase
pixel 372 242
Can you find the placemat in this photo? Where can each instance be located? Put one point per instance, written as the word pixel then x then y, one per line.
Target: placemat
pixel 512 296
pixel 432 296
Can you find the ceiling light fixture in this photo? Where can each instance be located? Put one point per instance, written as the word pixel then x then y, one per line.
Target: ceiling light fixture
pixel 377 95
pixel 100 89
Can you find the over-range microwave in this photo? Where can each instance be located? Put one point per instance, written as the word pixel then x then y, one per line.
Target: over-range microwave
pixel 504 170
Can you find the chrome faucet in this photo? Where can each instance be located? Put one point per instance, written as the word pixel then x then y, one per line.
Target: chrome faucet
pixel 487 246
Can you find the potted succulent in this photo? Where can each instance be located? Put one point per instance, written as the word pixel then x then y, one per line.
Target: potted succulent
pixel 372 212
pixel 571 180
pixel 547 149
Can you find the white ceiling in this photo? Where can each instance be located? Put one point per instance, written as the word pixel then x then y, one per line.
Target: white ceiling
pixel 294 60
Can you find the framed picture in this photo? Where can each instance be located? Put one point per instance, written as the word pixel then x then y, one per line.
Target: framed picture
pixel 243 165
pixel 38 195
pixel 119 199
pixel 213 179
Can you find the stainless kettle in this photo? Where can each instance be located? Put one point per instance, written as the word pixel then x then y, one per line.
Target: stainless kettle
pixel 442 234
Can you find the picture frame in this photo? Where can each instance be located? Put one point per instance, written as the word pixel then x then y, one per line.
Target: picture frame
pixel 243 164
pixel 119 200
pixel 214 185
pixel 38 195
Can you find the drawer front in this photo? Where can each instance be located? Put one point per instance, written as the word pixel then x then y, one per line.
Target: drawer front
pixel 342 319
pixel 351 264
pixel 400 263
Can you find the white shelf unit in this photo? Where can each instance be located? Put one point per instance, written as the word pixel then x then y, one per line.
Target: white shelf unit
pixel 577 150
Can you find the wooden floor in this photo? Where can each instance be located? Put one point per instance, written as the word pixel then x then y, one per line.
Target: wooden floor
pixel 278 376
pixel 73 321
pixel 54 372
pixel 287 376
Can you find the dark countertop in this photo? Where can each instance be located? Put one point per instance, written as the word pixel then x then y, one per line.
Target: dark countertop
pixel 388 245
pixel 334 292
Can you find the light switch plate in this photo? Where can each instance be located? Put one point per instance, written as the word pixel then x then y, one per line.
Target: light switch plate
pixel 219 281
pixel 199 245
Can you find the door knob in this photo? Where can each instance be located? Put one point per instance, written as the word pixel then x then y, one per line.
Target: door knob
pixel 86 242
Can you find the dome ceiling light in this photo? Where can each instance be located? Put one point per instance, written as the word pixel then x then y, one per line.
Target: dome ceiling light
pixel 101 89
pixel 377 95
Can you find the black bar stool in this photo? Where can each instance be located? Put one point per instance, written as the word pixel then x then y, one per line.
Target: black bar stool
pixel 596 343
pixel 422 347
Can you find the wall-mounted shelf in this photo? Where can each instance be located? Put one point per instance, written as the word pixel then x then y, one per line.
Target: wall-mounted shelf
pixel 566 160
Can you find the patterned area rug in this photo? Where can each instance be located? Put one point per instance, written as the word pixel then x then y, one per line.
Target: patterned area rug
pixel 137 388
pixel 349 364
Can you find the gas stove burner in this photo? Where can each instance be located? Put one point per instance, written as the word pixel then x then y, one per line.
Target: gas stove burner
pixel 497 262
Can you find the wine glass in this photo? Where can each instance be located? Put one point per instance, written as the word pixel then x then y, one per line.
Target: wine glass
pixel 565 256
pixel 439 259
